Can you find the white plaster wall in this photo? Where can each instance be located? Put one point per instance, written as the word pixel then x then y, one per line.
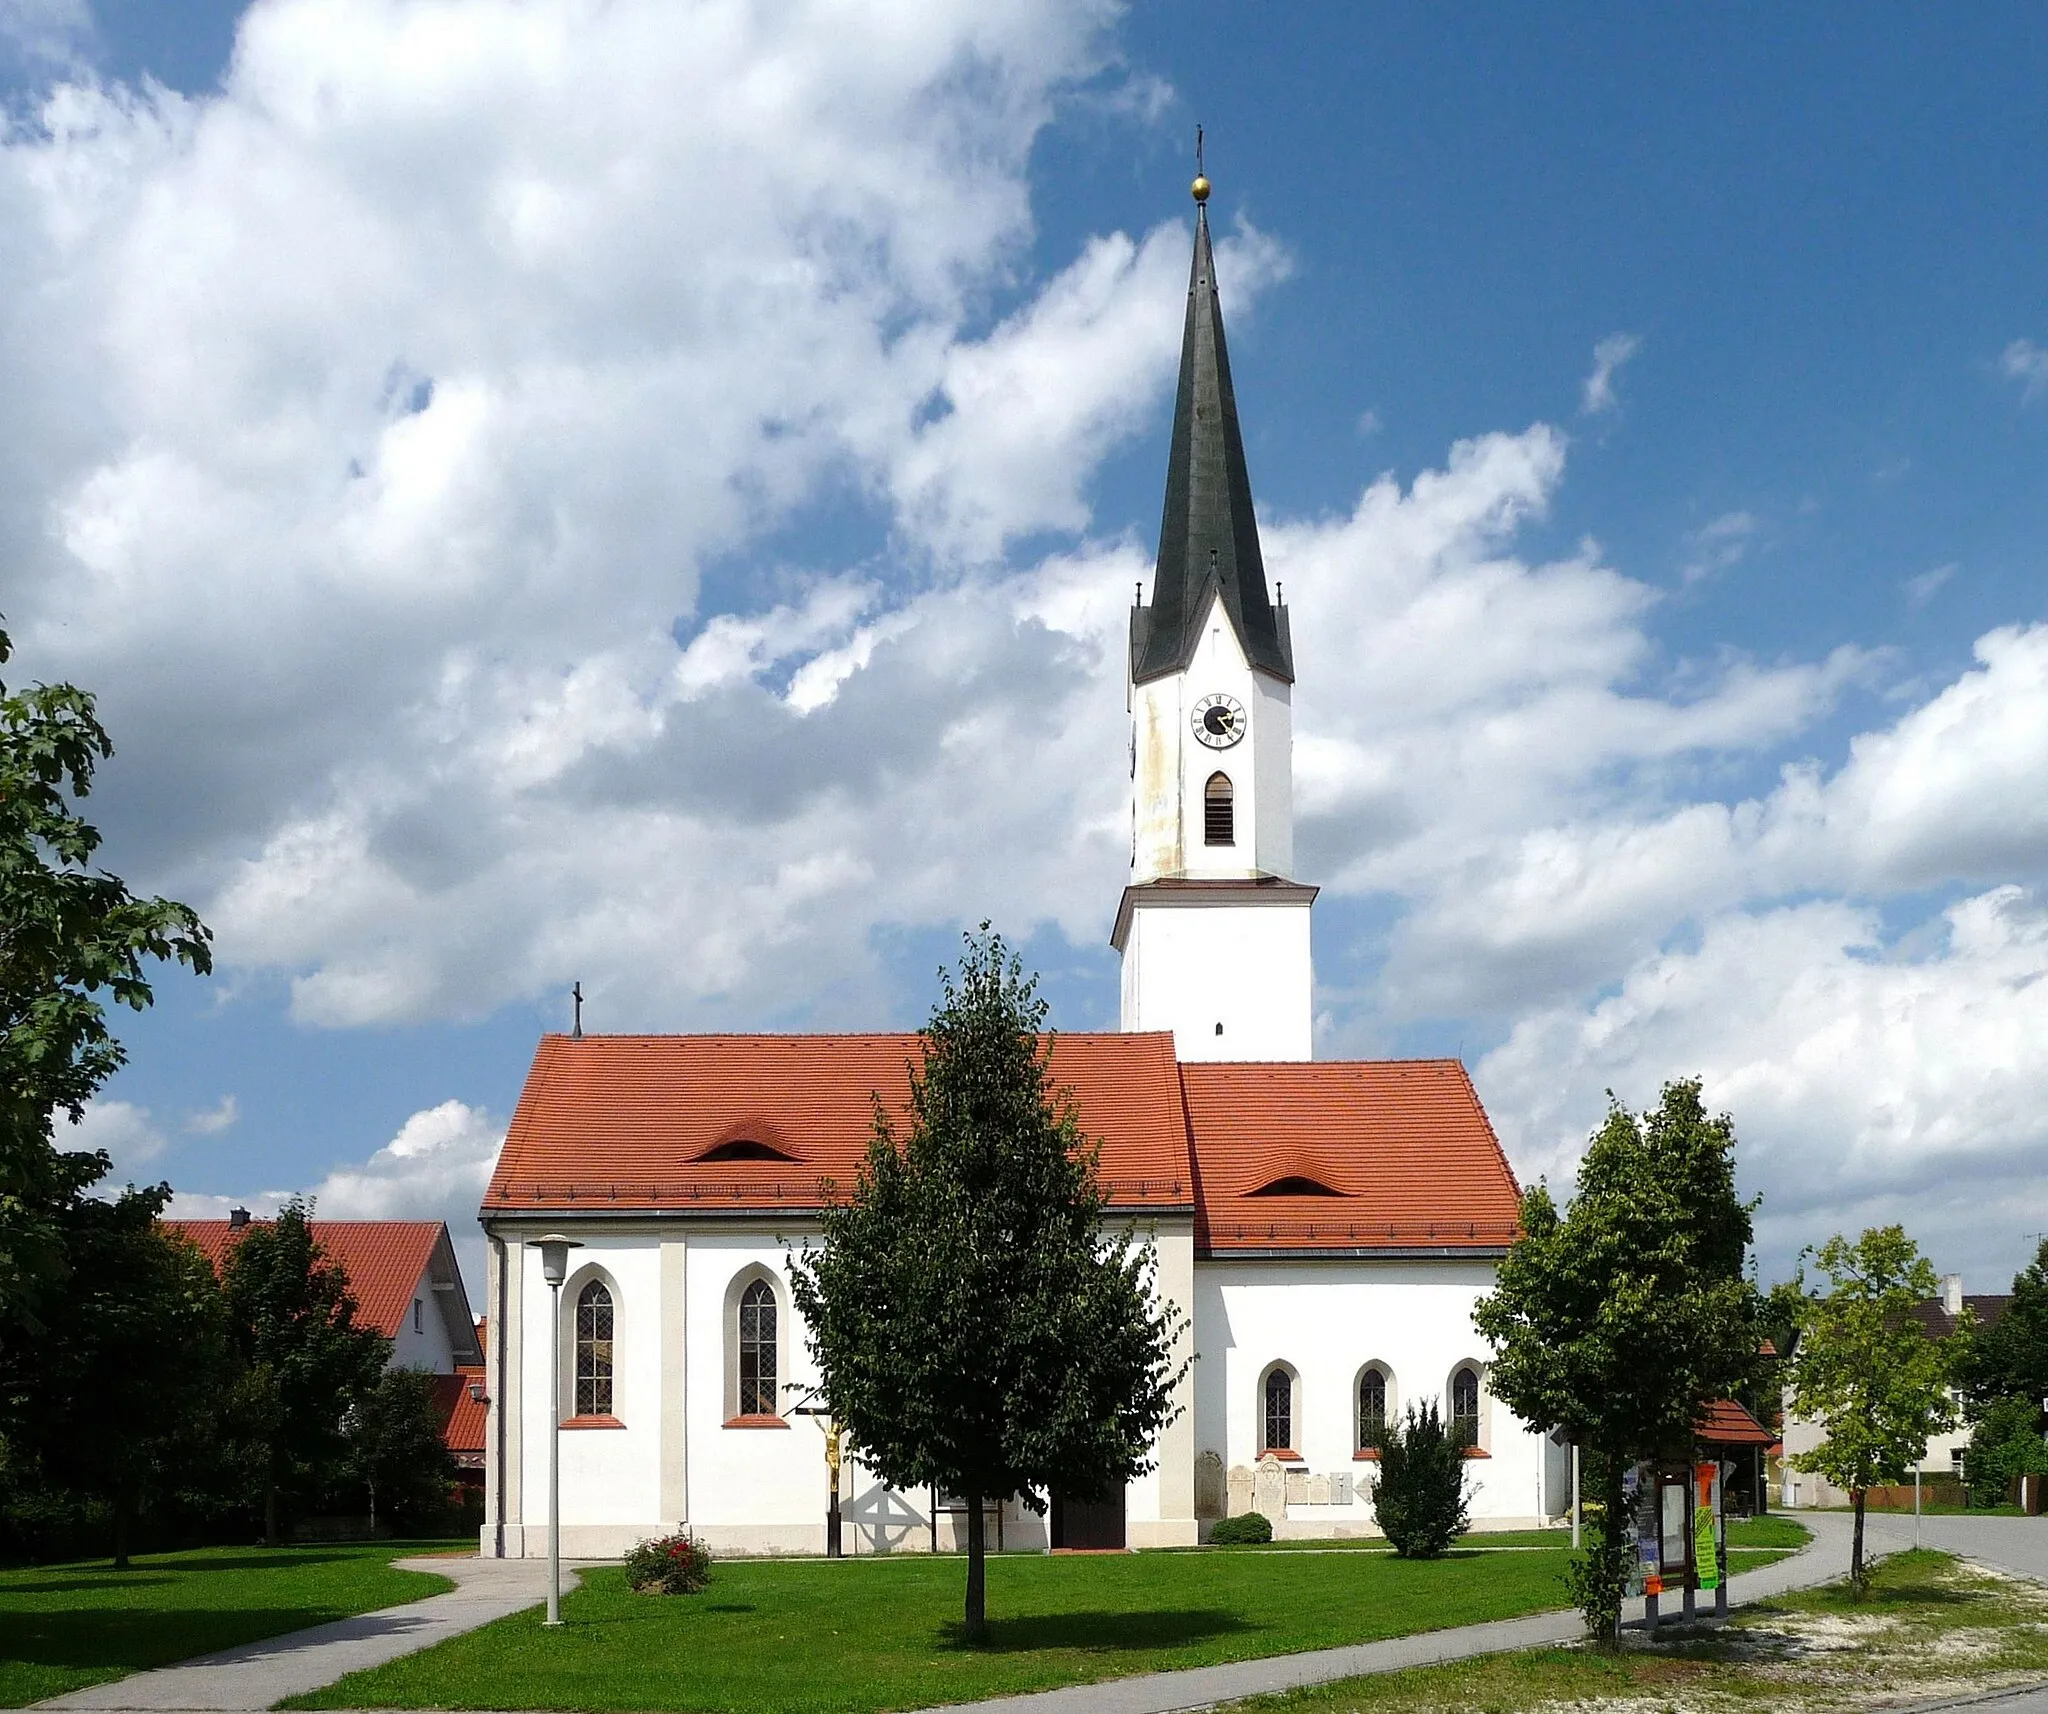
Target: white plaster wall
pixel 610 1476
pixel 1171 768
pixel 430 1348
pixel 766 1485
pixel 1190 963
pixel 1328 1319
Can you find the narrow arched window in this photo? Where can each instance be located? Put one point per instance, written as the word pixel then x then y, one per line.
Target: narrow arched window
pixel 757 1350
pixel 1372 1410
pixel 1279 1403
pixel 1219 811
pixel 594 1350
pixel 1465 1407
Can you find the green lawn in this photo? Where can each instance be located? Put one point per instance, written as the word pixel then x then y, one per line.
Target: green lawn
pixel 63 1626
pixel 1744 1534
pixel 835 1638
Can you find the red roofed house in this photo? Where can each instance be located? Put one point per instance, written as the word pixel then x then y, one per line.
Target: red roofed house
pixel 1326 1228
pixel 408 1287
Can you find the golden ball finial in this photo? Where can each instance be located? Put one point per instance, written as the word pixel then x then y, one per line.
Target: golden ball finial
pixel 1200 188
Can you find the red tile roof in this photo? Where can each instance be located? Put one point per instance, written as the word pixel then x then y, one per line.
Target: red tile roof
pixel 1726 1423
pixel 631 1123
pixel 1401 1147
pixel 462 1417
pixel 624 1122
pixel 384 1260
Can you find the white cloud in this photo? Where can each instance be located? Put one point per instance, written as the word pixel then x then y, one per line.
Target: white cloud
pixel 1870 1078
pixel 1597 396
pixel 1922 589
pixel 212 1121
pixel 42 33
pixel 2027 363
pixel 127 1132
pixel 435 1168
pixel 1718 544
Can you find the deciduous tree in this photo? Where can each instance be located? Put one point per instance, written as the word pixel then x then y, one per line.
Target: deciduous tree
pixel 72 939
pixel 1622 1316
pixel 395 1447
pixel 305 1359
pixel 1867 1371
pixel 978 1326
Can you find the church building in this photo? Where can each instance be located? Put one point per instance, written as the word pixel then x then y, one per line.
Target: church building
pixel 1325 1227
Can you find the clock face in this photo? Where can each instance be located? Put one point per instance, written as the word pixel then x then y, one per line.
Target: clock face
pixel 1219 721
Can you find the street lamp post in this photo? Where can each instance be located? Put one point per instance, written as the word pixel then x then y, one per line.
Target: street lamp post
pixel 554 1268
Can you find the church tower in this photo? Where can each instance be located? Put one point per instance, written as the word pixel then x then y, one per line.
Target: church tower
pixel 1213 933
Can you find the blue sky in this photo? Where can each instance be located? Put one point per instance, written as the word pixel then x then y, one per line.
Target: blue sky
pixel 1561 680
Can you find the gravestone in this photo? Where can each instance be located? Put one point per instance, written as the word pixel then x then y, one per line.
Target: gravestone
pixel 1240 1490
pixel 1297 1487
pixel 1340 1488
pixel 1319 1490
pixel 1209 1489
pixel 1269 1489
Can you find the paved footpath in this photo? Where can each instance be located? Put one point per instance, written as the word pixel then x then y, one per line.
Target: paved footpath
pixel 256 1675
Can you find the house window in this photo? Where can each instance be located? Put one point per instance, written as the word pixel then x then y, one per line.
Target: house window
pixel 1465 1407
pixel 1279 1410
pixel 1219 812
pixel 594 1350
pixel 419 1322
pixel 757 1350
pixel 1372 1410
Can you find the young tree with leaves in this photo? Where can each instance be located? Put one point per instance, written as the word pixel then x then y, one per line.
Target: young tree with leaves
pixel 1867 1372
pixel 1620 1318
pixel 2001 1371
pixel 395 1447
pixel 305 1360
pixel 977 1328
pixel 72 938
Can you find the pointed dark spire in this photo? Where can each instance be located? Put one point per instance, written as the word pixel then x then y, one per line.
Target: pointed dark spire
pixel 1208 538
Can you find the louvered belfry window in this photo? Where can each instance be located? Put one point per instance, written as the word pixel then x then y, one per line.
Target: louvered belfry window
pixel 1279 1411
pixel 594 1350
pixel 757 1350
pixel 1219 811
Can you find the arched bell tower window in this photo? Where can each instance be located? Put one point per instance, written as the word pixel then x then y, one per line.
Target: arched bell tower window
pixel 757 1350
pixel 594 1350
pixel 1219 811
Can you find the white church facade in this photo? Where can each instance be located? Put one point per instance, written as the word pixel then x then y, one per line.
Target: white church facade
pixel 1325 1227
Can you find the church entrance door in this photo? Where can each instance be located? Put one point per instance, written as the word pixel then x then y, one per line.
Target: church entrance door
pixel 1096 1524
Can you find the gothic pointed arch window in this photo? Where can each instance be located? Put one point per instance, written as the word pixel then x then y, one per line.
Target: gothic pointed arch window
pixel 1464 1423
pixel 1276 1410
pixel 757 1350
pixel 1372 1408
pixel 1219 811
pixel 594 1350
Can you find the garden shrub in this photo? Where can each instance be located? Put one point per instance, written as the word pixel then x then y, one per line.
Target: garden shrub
pixel 1419 1494
pixel 676 1564
pixel 1241 1530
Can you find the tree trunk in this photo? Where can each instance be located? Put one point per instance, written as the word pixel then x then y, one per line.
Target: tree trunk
pixel 1856 1578
pixel 1617 1540
pixel 373 1507
pixel 121 1509
pixel 270 1504
pixel 977 1572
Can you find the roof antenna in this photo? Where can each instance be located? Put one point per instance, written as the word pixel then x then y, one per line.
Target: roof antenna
pixel 576 993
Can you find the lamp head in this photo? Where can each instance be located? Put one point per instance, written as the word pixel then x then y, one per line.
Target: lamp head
pixel 554 1257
